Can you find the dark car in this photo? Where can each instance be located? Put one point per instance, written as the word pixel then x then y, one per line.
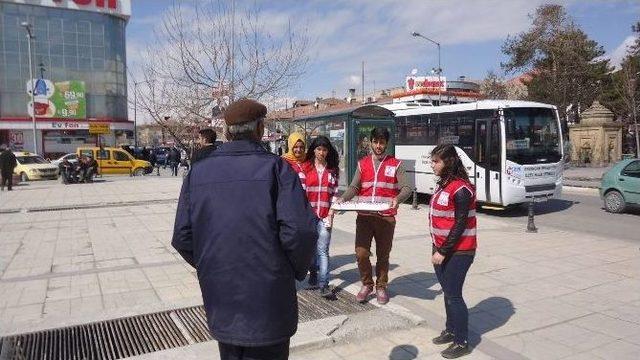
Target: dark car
pixel 620 186
pixel 162 153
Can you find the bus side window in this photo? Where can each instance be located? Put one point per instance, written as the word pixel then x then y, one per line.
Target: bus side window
pixel 494 144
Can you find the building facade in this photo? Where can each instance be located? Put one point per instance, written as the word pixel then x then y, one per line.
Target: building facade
pixel 78 52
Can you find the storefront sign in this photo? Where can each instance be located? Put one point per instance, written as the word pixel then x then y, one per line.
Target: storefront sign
pixel 16 140
pixel 63 99
pixel 426 82
pixel 120 8
pixel 99 128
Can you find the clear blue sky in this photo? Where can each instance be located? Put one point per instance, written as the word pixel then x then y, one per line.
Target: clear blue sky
pixel 344 33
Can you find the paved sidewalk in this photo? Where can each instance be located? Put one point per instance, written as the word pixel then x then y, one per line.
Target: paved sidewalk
pixel 548 295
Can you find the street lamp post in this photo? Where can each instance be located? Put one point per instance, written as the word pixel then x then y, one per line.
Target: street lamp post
pixel 439 70
pixel 30 37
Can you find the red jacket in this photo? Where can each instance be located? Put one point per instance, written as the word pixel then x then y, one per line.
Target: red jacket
pixel 321 188
pixel 379 184
pixel 301 168
pixel 442 216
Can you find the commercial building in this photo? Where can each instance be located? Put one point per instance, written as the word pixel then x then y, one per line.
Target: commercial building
pixel 79 70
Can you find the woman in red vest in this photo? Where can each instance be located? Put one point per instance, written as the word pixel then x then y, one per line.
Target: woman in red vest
pixel 452 218
pixel 321 183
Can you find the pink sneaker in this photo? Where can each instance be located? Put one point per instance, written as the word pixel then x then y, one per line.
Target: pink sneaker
pixel 364 293
pixel 382 296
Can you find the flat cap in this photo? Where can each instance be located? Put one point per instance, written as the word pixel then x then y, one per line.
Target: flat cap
pixel 244 111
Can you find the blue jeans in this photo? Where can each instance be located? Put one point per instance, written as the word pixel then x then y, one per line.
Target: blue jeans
pixel 321 261
pixel 451 274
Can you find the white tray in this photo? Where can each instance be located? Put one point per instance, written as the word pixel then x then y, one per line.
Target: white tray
pixel 361 206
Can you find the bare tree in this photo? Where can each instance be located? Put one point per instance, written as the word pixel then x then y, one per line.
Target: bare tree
pixel 493 86
pixel 207 53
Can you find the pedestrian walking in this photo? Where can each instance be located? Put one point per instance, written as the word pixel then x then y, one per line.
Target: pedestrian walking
pixel 174 160
pixel 243 221
pixel 379 178
pixel 296 156
pixel 452 219
pixel 321 182
pixel 207 139
pixel 8 162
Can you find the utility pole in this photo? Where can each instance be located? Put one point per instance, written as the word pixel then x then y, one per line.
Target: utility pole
pixel 363 100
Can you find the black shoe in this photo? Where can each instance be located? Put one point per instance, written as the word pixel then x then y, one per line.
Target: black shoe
pixel 313 280
pixel 455 351
pixel 444 338
pixel 326 293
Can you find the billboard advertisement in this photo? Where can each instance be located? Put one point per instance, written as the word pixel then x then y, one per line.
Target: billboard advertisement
pixel 426 82
pixel 62 99
pixel 121 8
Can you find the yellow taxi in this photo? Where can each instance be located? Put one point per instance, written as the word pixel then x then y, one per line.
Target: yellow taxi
pixel 34 167
pixel 115 161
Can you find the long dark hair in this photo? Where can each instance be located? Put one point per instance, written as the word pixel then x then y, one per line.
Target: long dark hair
pixel 333 159
pixel 453 167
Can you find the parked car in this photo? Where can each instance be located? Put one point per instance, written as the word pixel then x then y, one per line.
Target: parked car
pixel 73 158
pixel 162 153
pixel 116 161
pixel 620 187
pixel 34 167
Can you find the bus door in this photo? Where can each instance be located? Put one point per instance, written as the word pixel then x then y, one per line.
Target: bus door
pixel 359 142
pixel 488 175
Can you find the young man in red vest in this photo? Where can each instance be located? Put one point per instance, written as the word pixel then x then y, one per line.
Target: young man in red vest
pixel 379 177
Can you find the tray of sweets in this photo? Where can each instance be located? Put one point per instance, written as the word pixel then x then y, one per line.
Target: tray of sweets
pixel 361 206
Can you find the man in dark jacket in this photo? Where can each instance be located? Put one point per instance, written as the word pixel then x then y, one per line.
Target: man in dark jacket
pixel 208 144
pixel 244 223
pixel 8 162
pixel 174 158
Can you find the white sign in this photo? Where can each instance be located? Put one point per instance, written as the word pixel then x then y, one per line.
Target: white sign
pixel 16 140
pixel 426 83
pixel 336 134
pixel 121 8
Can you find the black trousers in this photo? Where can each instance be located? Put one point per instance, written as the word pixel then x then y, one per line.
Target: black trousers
pixel 271 352
pixel 8 180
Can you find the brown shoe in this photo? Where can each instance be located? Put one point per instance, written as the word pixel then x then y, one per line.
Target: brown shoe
pixel 364 293
pixel 382 296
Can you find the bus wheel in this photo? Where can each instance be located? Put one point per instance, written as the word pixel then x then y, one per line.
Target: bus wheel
pixel 24 177
pixel 138 172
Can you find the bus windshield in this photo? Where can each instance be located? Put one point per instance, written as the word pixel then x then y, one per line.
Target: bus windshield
pixel 532 136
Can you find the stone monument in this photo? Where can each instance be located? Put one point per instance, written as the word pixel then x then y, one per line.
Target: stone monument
pixel 597 139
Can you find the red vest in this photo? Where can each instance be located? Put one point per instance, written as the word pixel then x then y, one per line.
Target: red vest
pixel 379 184
pixel 321 187
pixel 300 168
pixel 442 216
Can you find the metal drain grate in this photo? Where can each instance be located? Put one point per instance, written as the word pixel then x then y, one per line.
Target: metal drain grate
pixel 141 334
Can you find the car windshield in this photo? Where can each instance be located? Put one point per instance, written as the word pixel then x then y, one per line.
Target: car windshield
pixel 532 136
pixel 28 160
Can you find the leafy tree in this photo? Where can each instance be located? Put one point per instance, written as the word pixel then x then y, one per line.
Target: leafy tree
pixel 564 64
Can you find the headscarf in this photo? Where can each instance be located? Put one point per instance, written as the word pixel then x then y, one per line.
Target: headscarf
pixel 293 139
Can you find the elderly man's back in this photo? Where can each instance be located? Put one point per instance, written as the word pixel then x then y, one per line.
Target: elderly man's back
pixel 244 223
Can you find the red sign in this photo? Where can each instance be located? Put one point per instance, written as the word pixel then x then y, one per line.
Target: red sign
pixel 111 4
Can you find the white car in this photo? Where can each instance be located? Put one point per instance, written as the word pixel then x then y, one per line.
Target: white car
pixel 73 158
